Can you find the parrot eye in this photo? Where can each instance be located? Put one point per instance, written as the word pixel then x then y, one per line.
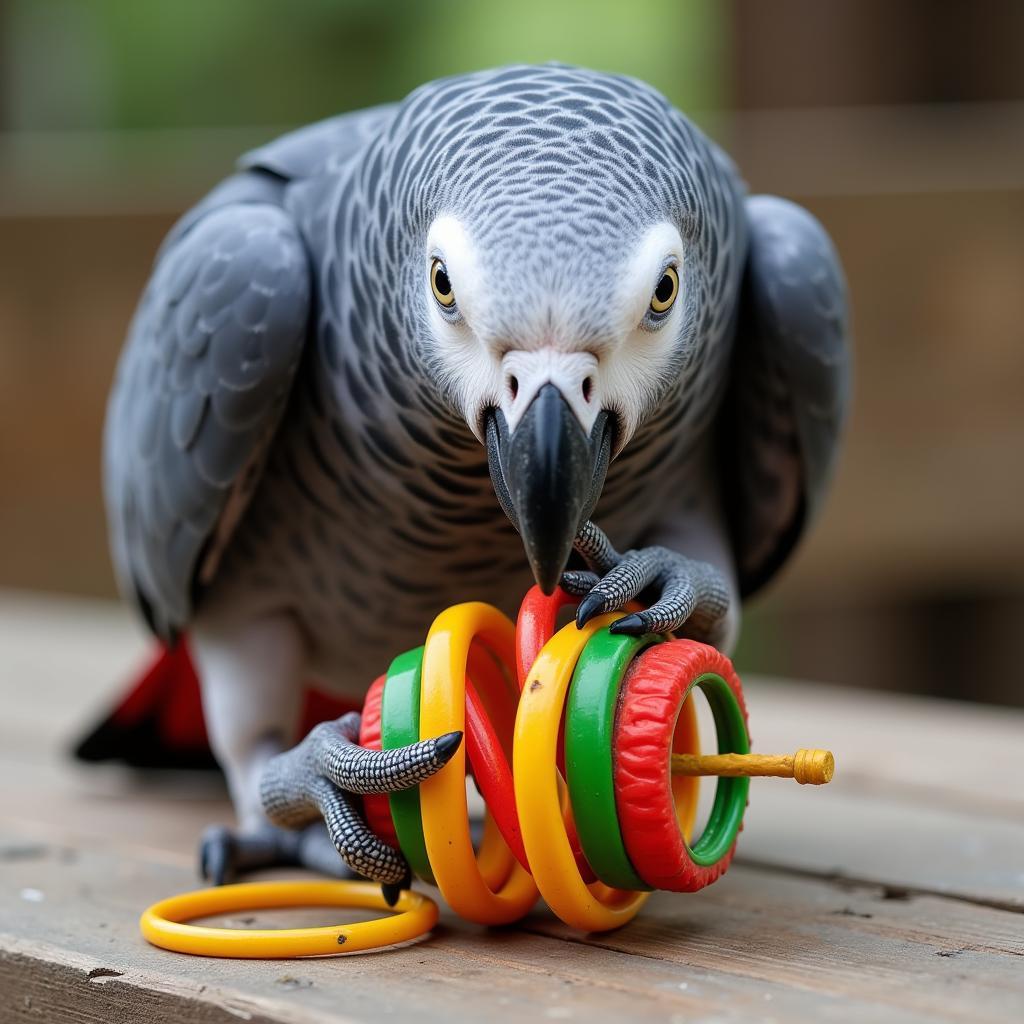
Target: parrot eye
pixel 666 291
pixel 441 285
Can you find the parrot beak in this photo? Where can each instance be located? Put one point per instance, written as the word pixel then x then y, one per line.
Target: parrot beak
pixel 548 474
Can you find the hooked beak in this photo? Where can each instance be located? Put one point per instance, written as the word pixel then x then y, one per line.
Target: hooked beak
pixel 548 474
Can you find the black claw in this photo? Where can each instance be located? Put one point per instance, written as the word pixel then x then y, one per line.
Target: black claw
pixel 215 856
pixel 446 745
pixel 631 625
pixel 590 606
pixel 392 890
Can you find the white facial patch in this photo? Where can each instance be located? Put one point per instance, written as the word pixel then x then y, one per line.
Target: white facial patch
pixel 660 247
pixel 469 370
pixel 637 364
pixel 449 241
pixel 624 372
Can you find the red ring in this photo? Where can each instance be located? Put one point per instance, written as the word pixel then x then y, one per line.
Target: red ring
pixel 376 806
pixel 491 700
pixel 499 693
pixel 492 773
pixel 653 693
pixel 535 626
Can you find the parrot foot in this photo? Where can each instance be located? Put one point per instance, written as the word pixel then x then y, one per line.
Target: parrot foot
pixel 316 779
pixel 689 594
pixel 225 854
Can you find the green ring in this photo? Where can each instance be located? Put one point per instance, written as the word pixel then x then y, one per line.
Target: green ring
pixel 589 735
pixel 730 794
pixel 400 726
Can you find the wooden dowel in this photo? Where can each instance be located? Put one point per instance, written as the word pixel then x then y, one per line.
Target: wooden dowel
pixel 808 767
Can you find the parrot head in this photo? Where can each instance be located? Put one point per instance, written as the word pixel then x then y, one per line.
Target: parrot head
pixel 563 268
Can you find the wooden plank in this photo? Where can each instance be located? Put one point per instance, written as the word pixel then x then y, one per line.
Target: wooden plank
pixel 891 842
pixel 85 850
pixel 43 982
pixel 936 752
pixel 864 952
pixel 921 799
pixel 64 659
pixel 754 946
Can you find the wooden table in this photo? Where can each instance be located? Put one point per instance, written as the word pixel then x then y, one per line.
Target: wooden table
pixel 896 893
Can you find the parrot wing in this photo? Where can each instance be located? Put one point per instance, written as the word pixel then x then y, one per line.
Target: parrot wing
pixel 320 148
pixel 200 389
pixel 206 372
pixel 199 392
pixel 789 386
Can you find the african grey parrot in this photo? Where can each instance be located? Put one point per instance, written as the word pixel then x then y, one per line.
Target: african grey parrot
pixel 521 301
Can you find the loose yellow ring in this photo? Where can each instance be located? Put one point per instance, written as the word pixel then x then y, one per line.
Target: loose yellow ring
pixel 164 925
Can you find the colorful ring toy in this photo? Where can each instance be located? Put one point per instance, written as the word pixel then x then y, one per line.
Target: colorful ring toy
pixel 165 923
pixel 584 746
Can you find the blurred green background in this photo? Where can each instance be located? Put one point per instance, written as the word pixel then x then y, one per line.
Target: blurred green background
pixel 128 66
pixel 123 101
pixel 899 124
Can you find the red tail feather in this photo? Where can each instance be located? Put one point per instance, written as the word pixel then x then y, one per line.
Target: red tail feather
pixel 159 722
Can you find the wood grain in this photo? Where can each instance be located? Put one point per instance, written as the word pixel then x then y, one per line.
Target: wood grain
pixel 895 893
pixel 758 944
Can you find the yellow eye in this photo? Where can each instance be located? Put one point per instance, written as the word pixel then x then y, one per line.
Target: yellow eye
pixel 666 292
pixel 441 285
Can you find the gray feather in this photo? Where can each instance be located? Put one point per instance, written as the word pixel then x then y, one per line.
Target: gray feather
pixel 201 385
pixel 790 388
pixel 321 148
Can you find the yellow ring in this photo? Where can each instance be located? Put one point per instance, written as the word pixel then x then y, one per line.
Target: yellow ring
pixel 494 888
pixel 164 925
pixel 595 907
pixel 686 788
